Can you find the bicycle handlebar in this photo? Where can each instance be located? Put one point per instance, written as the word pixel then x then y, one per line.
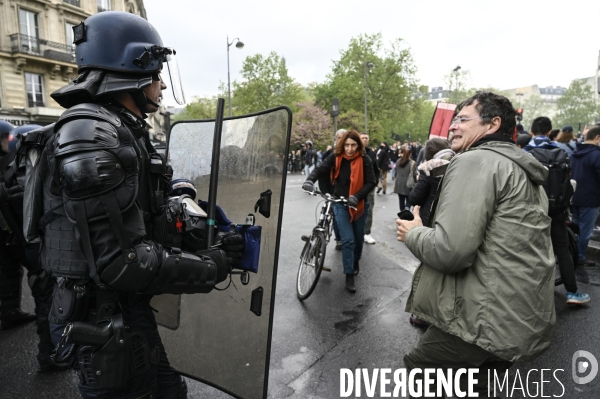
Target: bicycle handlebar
pixel 328 197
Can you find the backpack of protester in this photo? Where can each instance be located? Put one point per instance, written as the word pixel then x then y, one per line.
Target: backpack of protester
pixel 558 185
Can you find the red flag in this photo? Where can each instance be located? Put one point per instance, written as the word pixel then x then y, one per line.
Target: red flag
pixel 442 119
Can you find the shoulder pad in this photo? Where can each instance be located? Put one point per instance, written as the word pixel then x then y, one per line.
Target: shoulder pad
pixel 86 127
pixel 89 110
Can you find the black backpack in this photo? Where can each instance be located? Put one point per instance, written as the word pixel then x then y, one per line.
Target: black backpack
pixel 558 186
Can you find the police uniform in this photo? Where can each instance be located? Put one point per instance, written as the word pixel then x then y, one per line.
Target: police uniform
pixel 97 195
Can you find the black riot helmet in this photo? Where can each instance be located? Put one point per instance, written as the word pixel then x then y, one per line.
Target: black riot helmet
pixel 5 130
pixel 118 52
pixel 5 127
pixel 14 136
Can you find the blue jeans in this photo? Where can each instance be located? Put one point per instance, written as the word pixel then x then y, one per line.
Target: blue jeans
pixel 308 169
pixel 585 217
pixel 336 230
pixel 352 234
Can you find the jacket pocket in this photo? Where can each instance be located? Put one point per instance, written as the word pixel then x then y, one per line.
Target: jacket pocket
pixel 435 295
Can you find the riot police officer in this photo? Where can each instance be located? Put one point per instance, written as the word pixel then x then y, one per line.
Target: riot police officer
pixel 11 272
pixel 15 253
pixel 101 215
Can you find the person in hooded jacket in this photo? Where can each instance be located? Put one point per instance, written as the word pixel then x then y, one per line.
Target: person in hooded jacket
pixel 486 279
pixel 437 155
pixel 586 199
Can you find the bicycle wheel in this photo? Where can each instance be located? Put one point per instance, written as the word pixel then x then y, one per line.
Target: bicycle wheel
pixel 311 265
pixel 574 255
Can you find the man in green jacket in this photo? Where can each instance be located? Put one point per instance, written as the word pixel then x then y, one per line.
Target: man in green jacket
pixel 486 279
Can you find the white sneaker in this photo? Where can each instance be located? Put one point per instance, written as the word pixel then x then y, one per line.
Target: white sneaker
pixel 369 239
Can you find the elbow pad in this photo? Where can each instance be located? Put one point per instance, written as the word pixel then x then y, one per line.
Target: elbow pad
pixel 185 273
pixel 162 271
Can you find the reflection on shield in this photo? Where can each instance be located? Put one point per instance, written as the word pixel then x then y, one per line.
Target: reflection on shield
pixel 215 337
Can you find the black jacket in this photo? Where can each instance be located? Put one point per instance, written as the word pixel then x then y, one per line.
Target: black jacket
pixel 423 194
pixel 310 158
pixel 341 187
pixel 373 157
pixel 383 158
pixel 586 171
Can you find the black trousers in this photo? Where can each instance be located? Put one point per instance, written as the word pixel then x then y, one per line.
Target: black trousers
pixel 159 382
pixel 560 243
pixel 12 260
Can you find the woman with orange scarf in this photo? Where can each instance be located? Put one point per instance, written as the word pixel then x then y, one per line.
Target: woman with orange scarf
pixel 352 177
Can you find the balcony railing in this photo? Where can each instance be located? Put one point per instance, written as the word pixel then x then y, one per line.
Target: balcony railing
pixel 20 43
pixel 72 2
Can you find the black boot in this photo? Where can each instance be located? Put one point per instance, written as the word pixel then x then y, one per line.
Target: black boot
pixel 350 283
pixel 14 318
pixel 356 268
pixel 11 277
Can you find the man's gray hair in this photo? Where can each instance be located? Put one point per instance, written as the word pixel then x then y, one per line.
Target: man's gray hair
pixel 340 131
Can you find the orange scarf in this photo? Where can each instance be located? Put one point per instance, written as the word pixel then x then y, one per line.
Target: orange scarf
pixel 357 180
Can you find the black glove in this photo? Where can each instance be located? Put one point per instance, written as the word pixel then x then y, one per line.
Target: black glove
pixel 220 259
pixel 308 186
pixel 233 245
pixel 352 201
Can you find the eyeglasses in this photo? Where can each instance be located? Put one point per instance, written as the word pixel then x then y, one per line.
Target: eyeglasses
pixel 458 121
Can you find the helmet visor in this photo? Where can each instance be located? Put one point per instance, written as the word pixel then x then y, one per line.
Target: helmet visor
pixel 175 78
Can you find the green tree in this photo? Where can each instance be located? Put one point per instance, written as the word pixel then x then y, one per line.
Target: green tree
pixel 418 121
pixel 354 120
pixel 266 85
pixel 578 105
pixel 390 83
pixel 200 108
pixel 533 107
pixel 458 82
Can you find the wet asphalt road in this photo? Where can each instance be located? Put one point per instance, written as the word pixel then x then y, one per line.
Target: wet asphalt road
pixel 333 329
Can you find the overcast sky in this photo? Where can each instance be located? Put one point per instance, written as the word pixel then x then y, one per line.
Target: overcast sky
pixel 504 44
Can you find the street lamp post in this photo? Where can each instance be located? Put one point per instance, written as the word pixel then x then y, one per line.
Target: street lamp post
pixel 519 94
pixel 239 45
pixel 455 70
pixel 369 65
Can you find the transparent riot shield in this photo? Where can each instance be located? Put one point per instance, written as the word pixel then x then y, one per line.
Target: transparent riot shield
pixel 223 338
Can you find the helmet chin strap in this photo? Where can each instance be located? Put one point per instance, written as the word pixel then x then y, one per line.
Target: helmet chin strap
pixel 141 101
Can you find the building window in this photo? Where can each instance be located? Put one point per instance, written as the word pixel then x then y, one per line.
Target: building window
pixel 69 36
pixel 72 2
pixel 29 31
pixel 35 89
pixel 103 5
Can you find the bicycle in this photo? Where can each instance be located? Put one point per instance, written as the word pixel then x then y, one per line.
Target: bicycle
pixel 313 253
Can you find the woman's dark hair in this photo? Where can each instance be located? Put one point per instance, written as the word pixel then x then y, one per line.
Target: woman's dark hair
pixel 489 106
pixel 553 134
pixel 350 134
pixel 405 154
pixel 433 146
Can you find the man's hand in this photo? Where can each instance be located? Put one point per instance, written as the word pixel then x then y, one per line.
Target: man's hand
pixel 352 201
pixel 404 225
pixel 308 186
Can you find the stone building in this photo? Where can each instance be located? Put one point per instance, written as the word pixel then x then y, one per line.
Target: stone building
pixel 37 54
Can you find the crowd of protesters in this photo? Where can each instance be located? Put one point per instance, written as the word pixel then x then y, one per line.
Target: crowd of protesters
pixel 485 286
